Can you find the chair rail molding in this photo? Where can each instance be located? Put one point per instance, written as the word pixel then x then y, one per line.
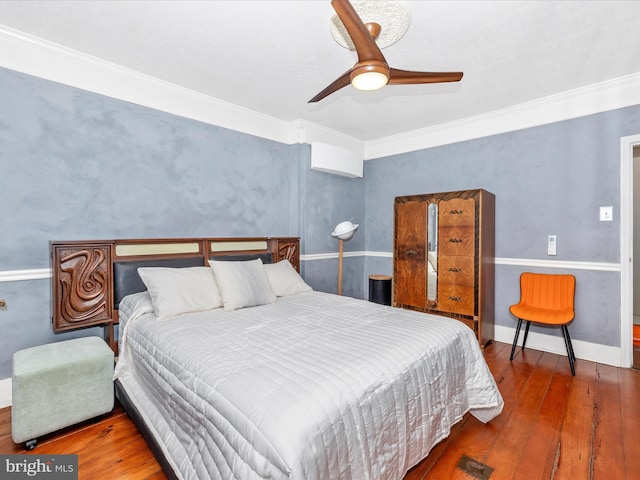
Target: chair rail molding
pixel 45 273
pixel 20 275
pixel 521 262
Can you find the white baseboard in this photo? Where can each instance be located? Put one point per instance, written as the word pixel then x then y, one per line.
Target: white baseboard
pixel 552 344
pixel 5 392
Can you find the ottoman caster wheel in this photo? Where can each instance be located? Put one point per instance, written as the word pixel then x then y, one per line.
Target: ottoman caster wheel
pixel 31 444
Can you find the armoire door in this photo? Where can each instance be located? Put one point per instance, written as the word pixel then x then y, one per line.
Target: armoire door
pixel 444 249
pixel 410 266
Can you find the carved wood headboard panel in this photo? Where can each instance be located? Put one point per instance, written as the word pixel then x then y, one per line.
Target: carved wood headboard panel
pixel 83 271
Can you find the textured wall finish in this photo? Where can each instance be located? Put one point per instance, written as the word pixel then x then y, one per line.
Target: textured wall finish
pixel 547 180
pixel 328 200
pixel 77 165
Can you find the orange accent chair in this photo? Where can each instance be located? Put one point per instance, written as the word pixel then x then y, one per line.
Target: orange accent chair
pixel 547 299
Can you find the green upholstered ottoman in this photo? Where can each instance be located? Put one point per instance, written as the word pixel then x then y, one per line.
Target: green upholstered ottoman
pixel 58 385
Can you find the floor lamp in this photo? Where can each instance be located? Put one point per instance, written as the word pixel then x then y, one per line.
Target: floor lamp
pixel 343 231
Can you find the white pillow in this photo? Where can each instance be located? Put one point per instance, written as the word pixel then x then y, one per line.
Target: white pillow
pixel 180 290
pixel 284 279
pixel 242 283
pixel 134 304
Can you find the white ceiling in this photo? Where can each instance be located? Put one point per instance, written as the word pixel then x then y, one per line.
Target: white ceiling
pixel 271 57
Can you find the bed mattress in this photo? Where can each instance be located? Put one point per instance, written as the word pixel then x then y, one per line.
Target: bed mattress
pixel 313 386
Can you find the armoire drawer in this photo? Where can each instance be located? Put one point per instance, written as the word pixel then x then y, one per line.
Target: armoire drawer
pixel 457 270
pixel 457 212
pixel 457 241
pixel 456 299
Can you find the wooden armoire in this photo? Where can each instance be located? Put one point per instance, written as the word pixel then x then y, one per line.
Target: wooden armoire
pixel 443 257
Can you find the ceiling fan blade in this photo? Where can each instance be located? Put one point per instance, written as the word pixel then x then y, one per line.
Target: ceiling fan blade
pixel 342 81
pixel 366 46
pixel 372 69
pixel 406 77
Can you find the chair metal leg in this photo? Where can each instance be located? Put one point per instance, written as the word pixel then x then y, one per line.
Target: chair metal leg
pixel 526 334
pixel 570 354
pixel 515 339
pixel 573 355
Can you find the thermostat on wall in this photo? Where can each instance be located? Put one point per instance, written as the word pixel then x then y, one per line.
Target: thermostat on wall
pixel 551 245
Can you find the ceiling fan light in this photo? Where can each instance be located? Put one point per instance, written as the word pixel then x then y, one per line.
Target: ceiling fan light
pixel 369 81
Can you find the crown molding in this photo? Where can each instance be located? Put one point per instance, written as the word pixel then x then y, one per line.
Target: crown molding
pixel 34 56
pixel 303 131
pixel 617 93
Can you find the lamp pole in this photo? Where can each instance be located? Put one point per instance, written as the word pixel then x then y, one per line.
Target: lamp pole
pixel 343 231
pixel 340 266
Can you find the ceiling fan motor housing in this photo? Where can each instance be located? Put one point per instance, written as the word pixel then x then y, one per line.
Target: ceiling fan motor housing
pixel 372 70
pixel 370 75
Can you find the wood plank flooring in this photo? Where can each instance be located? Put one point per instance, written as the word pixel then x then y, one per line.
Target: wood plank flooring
pixel 553 426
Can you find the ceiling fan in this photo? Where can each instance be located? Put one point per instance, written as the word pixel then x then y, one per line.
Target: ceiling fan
pixel 372 70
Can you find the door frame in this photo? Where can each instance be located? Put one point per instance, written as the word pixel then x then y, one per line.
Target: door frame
pixel 626 248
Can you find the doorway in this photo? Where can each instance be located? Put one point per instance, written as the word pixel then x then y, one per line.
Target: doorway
pixel 629 242
pixel 636 263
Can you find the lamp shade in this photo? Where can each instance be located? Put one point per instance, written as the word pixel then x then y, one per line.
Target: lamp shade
pixel 344 230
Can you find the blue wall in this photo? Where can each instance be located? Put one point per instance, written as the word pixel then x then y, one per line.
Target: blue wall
pixel 76 165
pixel 328 200
pixel 547 180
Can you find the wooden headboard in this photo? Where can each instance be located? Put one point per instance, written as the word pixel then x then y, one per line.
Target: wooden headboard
pixel 85 292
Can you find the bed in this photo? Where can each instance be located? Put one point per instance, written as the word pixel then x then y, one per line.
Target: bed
pixel 274 380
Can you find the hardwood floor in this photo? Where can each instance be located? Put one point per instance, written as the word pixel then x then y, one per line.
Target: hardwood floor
pixel 553 426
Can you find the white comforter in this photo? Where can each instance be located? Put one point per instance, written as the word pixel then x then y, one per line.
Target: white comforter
pixel 314 386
